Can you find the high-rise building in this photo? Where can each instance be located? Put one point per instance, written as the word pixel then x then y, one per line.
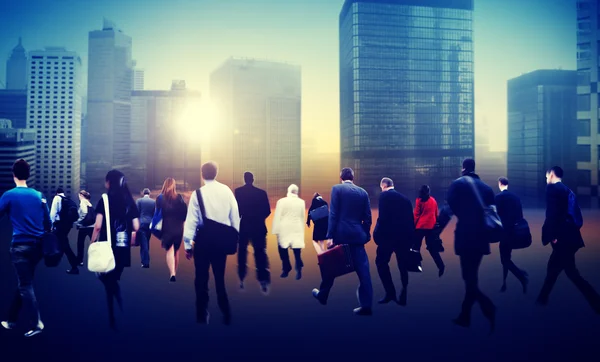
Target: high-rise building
pixel 258 123
pixel 406 92
pixel 109 105
pixel 161 146
pixel 13 106
pixel 54 111
pixel 541 131
pixel 138 78
pixel 588 117
pixel 16 68
pixel 15 144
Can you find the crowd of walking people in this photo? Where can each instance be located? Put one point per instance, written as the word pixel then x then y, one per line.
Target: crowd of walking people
pixel 218 222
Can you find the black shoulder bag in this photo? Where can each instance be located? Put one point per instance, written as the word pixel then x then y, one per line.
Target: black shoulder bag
pixel 214 235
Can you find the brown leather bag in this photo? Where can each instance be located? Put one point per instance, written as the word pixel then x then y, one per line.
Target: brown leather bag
pixel 336 262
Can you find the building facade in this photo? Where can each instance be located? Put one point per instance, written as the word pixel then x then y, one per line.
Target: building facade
pixel 406 92
pixel 109 106
pixel 161 146
pixel 54 111
pixel 541 131
pixel 588 137
pixel 16 68
pixel 13 106
pixel 138 78
pixel 258 123
pixel 15 144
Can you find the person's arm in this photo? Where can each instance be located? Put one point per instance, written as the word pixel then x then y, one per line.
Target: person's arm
pixel 4 205
pixel 192 221
pixel 308 216
pixel 452 199
pixel 234 213
pixel 367 218
pixel 418 210
pixel 266 205
pixel 276 218
pixel 333 214
pixel 97 228
pixel 83 210
pixel 54 208
pixel 47 222
pixel 552 219
pixel 236 193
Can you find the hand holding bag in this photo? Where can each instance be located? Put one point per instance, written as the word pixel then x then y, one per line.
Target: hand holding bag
pixel 336 262
pixel 491 220
pixel 101 258
pixel 157 219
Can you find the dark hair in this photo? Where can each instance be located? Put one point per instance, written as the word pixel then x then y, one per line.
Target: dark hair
pixel 503 181
pixel 424 193
pixel 468 165
pixel 558 171
pixel 388 182
pixel 118 189
pixel 210 170
pixel 347 174
pixel 21 170
pixel 316 195
pixel 85 194
pixel 248 178
pixel 60 191
pixel 146 191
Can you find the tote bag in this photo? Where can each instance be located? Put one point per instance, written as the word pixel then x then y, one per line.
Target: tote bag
pixel 100 254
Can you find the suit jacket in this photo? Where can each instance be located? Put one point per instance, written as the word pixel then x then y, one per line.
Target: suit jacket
pixel 509 209
pixel 349 215
pixel 254 209
pixel 395 223
pixel 556 226
pixel 470 235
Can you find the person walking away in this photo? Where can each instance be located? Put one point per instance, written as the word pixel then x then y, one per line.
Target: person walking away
pixel 85 223
pixel 394 234
pixel 29 217
pixel 350 223
pixel 146 206
pixel 288 225
pixel 320 225
pixel 471 241
pixel 254 209
pixel 562 231
pixel 125 222
pixel 174 211
pixel 220 206
pixel 63 214
pixel 426 211
pixel 510 211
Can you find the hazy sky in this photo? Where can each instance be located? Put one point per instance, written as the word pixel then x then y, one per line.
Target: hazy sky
pixel 187 39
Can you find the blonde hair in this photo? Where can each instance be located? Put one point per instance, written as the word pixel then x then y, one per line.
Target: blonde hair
pixel 169 189
pixel 293 189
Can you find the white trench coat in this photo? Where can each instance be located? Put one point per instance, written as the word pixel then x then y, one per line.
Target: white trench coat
pixel 289 222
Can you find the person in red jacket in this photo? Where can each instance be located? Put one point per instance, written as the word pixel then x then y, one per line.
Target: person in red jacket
pixel 426 211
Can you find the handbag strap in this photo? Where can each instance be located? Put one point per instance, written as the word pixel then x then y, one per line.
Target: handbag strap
pixel 107 212
pixel 201 205
pixel 475 190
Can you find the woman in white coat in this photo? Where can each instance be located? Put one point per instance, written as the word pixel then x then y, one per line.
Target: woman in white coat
pixel 288 225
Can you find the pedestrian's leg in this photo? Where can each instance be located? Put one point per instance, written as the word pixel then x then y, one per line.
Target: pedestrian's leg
pixel 365 288
pixel 285 261
pixel 145 246
pixel 202 265
pixel 218 261
pixel 469 265
pixel 402 261
pixel 263 274
pixel 81 235
pixel 64 237
pixel 299 263
pixel 171 260
pixel 242 256
pixel 590 294
pixel 433 246
pixel 382 260
pixel 554 269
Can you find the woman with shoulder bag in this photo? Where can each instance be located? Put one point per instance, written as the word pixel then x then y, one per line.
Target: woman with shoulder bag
pixel 85 224
pixel 318 213
pixel 426 212
pixel 124 223
pixel 174 212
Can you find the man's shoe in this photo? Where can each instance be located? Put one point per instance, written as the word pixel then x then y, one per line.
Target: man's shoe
pixel 264 288
pixel 73 271
pixel 299 274
pixel 80 263
pixel 387 299
pixel 363 311
pixel 315 293
pixel 145 266
pixel 441 271
pixel 242 285
pixel 402 298
pixel 285 274
pixel 203 319
pixel 33 332
pixel 173 279
pixel 8 325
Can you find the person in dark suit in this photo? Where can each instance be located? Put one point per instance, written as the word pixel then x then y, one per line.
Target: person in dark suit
pixel 510 211
pixel 394 233
pixel 471 242
pixel 254 210
pixel 350 224
pixel 565 238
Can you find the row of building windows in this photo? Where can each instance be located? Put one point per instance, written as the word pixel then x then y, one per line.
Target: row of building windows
pixel 410 10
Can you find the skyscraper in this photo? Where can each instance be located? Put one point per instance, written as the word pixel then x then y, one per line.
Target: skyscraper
pixel 13 106
pixel 109 105
pixel 16 68
pixel 15 144
pixel 258 123
pixel 588 140
pixel 541 131
pixel 406 92
pixel 138 78
pixel 54 111
pixel 161 146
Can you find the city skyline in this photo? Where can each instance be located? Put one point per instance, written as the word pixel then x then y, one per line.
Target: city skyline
pixel 541 35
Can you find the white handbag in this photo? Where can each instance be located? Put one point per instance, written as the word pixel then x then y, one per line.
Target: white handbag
pixel 101 258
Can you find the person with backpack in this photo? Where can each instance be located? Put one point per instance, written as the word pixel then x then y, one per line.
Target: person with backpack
pixel 85 223
pixel 63 214
pixel 29 217
pixel 562 231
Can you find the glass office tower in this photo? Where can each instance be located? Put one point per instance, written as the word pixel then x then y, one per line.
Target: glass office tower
pixel 406 92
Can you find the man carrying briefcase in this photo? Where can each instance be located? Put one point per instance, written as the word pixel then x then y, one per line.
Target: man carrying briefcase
pixel 349 226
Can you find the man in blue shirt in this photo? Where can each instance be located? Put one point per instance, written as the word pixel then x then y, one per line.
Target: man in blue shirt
pixel 29 216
